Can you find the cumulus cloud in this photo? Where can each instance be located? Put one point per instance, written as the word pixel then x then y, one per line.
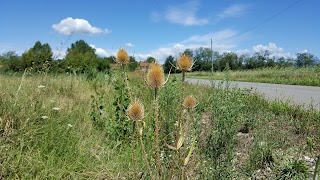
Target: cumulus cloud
pixel 129 44
pixel 79 26
pixel 233 11
pixel 185 14
pixel 272 48
pixel 242 52
pixel 100 52
pixel 193 43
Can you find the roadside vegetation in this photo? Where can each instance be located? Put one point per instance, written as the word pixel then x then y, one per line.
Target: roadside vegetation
pixel 87 117
pixel 308 76
pixel 133 125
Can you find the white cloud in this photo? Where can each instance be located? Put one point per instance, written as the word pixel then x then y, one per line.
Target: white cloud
pixel 129 44
pixel 242 52
pixel 79 26
pixel 233 11
pixel 193 43
pixel 59 54
pixel 100 52
pixel 273 49
pixel 215 36
pixel 185 14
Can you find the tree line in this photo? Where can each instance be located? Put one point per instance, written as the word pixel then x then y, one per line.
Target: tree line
pixel 205 59
pixel 80 58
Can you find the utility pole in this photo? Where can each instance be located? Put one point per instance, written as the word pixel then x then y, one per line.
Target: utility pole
pixel 211 58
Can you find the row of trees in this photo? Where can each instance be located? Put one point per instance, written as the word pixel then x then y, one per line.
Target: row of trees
pixel 206 60
pixel 80 57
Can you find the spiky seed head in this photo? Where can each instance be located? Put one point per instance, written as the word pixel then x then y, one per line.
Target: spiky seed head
pixel 184 63
pixel 155 76
pixel 122 57
pixel 135 111
pixel 190 102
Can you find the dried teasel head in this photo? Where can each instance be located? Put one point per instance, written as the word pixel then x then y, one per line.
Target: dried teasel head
pixel 184 63
pixel 135 111
pixel 122 57
pixel 190 102
pixel 155 76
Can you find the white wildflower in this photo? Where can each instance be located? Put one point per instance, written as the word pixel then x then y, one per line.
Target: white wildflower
pixel 70 125
pixel 44 117
pixel 41 86
pixel 56 108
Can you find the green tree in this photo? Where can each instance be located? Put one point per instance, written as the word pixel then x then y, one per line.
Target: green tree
pixel 168 64
pixel 202 59
pixel 133 64
pixel 188 52
pixel 151 59
pixel 228 58
pixel 11 61
pixel 37 56
pixel 81 57
pixel 103 64
pixel 305 59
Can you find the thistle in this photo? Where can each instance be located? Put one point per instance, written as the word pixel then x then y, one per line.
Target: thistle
pixel 184 63
pixel 135 111
pixel 122 57
pixel 190 102
pixel 155 78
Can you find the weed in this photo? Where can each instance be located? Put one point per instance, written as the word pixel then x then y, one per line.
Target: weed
pixel 293 170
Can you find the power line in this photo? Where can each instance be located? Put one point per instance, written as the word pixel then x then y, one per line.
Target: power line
pixel 265 21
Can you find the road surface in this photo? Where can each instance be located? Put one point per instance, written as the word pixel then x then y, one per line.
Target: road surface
pixel 297 95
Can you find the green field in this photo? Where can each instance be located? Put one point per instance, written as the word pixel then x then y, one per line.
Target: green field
pixel 309 76
pixel 74 127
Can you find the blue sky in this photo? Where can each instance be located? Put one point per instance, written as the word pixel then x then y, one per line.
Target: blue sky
pixel 160 28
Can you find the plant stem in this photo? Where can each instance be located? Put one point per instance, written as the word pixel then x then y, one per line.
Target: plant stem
pixel 146 158
pixel 133 149
pixel 316 169
pixel 182 156
pixel 157 131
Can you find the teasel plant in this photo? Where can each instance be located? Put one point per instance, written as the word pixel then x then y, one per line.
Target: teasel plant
pixel 155 79
pixel 180 146
pixel 184 64
pixel 135 113
pixel 135 110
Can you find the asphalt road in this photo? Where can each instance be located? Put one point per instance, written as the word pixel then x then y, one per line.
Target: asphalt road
pixel 297 95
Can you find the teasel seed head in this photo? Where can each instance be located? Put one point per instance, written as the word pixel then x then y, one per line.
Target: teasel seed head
pixel 122 57
pixel 184 63
pixel 135 111
pixel 190 102
pixel 155 76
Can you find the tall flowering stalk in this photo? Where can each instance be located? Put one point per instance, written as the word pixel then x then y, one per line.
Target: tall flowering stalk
pixel 155 78
pixel 135 112
pixel 184 64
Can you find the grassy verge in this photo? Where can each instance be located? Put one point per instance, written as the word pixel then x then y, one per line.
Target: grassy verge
pixel 308 76
pixel 62 127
